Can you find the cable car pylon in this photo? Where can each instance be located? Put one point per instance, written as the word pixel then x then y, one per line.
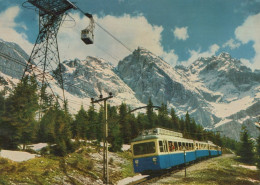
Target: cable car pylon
pixel 45 54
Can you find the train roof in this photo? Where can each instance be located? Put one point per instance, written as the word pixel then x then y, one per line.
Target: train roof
pixel 160 133
pixel 163 137
pixel 163 134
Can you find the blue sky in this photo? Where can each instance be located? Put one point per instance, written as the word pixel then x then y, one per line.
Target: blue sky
pixel 180 31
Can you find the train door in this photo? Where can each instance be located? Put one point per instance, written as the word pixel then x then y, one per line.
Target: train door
pixel 164 157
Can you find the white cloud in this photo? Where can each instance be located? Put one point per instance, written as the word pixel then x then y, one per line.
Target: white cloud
pixel 247 63
pixel 232 44
pixel 194 55
pixel 170 57
pixel 7 29
pixel 249 31
pixel 181 33
pixel 132 31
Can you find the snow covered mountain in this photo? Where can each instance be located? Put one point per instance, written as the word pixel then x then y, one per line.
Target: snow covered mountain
pixel 219 92
pixel 235 92
pixel 10 69
pixel 93 77
pixel 82 79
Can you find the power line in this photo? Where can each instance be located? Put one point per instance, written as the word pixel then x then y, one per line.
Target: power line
pixel 114 37
pixel 12 59
pixel 102 49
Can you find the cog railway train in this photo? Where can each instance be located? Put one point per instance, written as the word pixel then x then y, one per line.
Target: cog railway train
pixel 158 149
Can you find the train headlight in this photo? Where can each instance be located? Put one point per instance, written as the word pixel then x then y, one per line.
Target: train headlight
pixel 136 162
pixel 154 160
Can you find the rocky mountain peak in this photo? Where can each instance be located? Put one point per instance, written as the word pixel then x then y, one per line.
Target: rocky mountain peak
pixel 223 63
pixel 224 55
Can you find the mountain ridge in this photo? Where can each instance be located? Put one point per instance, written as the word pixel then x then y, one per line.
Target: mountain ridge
pixel 208 89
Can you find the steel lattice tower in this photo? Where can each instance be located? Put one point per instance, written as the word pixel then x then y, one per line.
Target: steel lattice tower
pixel 45 57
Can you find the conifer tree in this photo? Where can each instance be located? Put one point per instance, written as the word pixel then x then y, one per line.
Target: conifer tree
pixel 124 122
pixel 163 118
pixel 116 139
pixel 218 139
pixel 258 152
pixel 46 100
pixel 19 117
pixel 99 124
pixel 93 127
pixel 183 127
pixel 141 121
pixel 193 129
pixel 151 116
pixel 246 147
pixel 174 121
pixel 79 125
pixel 134 126
pixel 2 103
pixel 46 131
pixel 62 132
pixel 115 136
pixel 188 124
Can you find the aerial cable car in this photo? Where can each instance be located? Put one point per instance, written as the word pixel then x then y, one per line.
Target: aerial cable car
pixel 87 35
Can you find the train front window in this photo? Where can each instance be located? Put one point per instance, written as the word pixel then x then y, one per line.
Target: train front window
pixel 144 148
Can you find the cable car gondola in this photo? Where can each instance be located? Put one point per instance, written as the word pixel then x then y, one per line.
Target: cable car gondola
pixel 87 35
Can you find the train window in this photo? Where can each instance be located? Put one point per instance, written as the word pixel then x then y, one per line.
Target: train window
pixel 171 146
pixel 179 144
pixel 183 146
pixel 192 146
pixel 161 146
pixel 144 148
pixel 176 146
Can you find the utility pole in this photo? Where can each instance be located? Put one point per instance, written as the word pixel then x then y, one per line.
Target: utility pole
pixel 185 161
pixel 105 142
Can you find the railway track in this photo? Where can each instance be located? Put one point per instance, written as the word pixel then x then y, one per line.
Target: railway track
pixel 155 177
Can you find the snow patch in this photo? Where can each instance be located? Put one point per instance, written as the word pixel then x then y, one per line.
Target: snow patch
pixel 226 109
pixel 131 179
pixel 16 155
pixel 222 122
pixel 126 147
pixel 37 147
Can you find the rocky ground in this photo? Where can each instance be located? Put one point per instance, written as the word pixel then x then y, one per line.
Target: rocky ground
pixel 85 166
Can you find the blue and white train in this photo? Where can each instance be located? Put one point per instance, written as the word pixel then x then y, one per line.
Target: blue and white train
pixel 158 149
